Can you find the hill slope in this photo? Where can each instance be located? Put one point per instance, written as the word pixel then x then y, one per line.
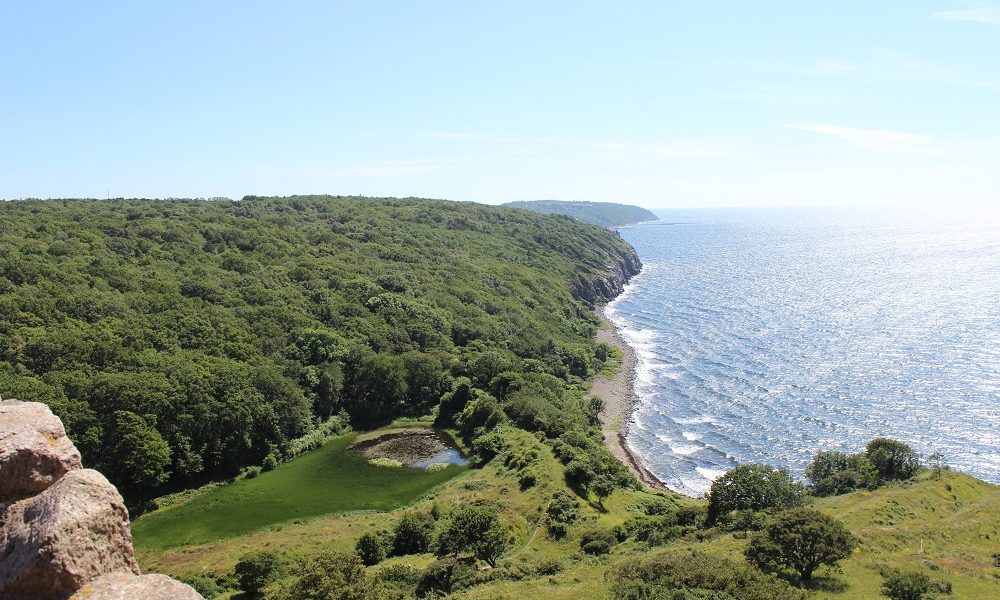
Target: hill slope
pixel 605 214
pixel 956 516
pixel 181 340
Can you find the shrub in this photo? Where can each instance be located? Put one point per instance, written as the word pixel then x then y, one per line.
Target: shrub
pixel 445 576
pixel 331 576
pixel 906 585
pixel 690 516
pixel 255 570
pixel 752 487
pixel 597 541
pixel 561 512
pixel 893 459
pixel 801 539
pixel 474 529
pixel 694 576
pixel 833 473
pixel 372 548
pixel 205 585
pixel 548 566
pixel 412 534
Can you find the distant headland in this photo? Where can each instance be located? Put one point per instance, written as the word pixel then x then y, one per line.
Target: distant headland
pixel 605 214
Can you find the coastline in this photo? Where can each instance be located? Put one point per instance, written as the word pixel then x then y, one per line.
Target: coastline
pixel 620 399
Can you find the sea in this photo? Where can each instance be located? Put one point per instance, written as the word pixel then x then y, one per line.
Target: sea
pixel 766 335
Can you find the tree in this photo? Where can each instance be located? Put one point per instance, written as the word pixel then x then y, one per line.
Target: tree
pixel 378 390
pixel 893 459
pixel 752 487
pixel 603 485
pixel 801 539
pixel 833 473
pixel 255 570
pixel 141 457
pixel 412 534
pixel 371 548
pixel 474 530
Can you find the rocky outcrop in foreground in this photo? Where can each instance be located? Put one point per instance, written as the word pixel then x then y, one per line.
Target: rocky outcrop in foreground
pixel 34 450
pixel 63 528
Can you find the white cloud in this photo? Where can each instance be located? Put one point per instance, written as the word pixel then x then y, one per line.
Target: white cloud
pixel 980 14
pixel 876 138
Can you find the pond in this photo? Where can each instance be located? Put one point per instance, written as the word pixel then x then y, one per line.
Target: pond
pixel 416 448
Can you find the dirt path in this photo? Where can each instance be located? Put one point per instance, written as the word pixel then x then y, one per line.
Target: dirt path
pixel 619 399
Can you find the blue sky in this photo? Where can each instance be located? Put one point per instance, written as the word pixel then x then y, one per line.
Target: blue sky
pixel 661 104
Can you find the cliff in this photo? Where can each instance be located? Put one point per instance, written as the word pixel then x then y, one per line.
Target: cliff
pixel 608 286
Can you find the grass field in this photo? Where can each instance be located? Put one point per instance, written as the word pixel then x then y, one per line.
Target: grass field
pixel 947 528
pixel 327 480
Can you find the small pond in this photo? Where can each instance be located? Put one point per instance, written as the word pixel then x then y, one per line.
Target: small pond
pixel 417 448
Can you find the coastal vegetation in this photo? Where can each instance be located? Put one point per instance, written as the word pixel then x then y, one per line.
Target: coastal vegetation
pixel 605 214
pixel 181 341
pixel 247 354
pixel 932 532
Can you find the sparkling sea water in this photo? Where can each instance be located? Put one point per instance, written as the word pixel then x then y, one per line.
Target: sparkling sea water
pixel 766 335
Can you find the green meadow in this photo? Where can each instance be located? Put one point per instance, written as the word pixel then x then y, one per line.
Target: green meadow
pixel 327 480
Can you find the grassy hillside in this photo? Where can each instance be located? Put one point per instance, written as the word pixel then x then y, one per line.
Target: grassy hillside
pixel 182 340
pixel 327 480
pixel 956 516
pixel 605 214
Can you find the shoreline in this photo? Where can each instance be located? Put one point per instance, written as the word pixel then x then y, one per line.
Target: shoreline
pixel 620 400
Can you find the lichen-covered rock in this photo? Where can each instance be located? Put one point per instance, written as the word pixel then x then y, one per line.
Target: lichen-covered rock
pixel 124 586
pixel 34 450
pixel 55 542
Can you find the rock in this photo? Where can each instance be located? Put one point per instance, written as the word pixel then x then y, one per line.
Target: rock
pixel 53 543
pixel 611 283
pixel 123 586
pixel 34 450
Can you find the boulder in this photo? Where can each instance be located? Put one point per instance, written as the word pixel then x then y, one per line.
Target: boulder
pixel 34 450
pixel 124 586
pixel 55 542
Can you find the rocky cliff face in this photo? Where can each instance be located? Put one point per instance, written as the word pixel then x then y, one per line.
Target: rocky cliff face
pixel 611 283
pixel 63 529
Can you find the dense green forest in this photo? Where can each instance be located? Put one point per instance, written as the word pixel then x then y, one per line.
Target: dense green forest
pixel 180 340
pixel 605 214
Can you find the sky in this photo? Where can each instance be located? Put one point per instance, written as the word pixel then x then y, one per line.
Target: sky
pixel 661 103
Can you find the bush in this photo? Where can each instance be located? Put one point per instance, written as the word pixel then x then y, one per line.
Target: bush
pixel 548 566
pixel 690 516
pixel 906 585
pixel 561 512
pixel 330 576
pixel 694 576
pixel 255 570
pixel 203 584
pixel 752 487
pixel 474 529
pixel 597 541
pixel 801 539
pixel 834 473
pixel 372 548
pixel 412 534
pixel 893 459
pixel 445 576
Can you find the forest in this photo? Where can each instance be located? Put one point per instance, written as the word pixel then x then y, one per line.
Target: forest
pixel 605 214
pixel 182 340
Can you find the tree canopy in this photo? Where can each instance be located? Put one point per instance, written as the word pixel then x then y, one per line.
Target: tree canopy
pixel 181 339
